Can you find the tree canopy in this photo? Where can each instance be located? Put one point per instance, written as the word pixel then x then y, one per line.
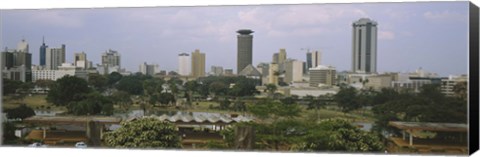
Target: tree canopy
pixel 144 133
pixel 68 89
pixel 340 135
pixel 21 112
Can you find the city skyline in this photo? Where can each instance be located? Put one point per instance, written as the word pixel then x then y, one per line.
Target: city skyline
pixel 410 34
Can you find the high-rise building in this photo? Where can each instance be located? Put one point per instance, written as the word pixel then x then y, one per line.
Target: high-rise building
pixel 322 75
pixel 111 58
pixel 198 64
pixel 55 57
pixel 110 62
pixel 184 64
pixel 293 71
pixel 149 69
pixel 364 46
pixel 22 46
pixel 244 48
pixel 43 53
pixel 7 60
pixel 80 60
pixel 316 59
pixel 17 64
pixel 280 59
pixel 216 70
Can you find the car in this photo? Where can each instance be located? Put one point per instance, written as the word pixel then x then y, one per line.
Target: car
pixel 37 144
pixel 81 145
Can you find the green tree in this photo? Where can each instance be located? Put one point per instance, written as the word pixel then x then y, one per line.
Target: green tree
pixel 316 104
pixel 271 88
pixel 10 86
pixel 460 89
pixel 8 132
pixel 191 87
pixel 244 87
pixel 93 104
pixel 340 135
pixel 97 81
pixel 113 78
pixel 218 88
pixel 275 112
pixel 122 99
pixel 131 84
pixel 166 98
pixel 144 133
pixel 68 89
pixel 20 112
pixel 347 100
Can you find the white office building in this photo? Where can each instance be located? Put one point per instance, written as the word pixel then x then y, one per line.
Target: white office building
pixel 184 64
pixel 364 46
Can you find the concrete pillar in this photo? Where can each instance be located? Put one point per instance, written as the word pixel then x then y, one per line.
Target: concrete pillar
pixel 101 133
pixel 44 133
pixel 411 139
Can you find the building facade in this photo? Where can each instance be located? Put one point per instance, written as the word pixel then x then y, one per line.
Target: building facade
pixel 111 58
pixel 364 46
pixel 216 70
pixel 273 74
pixel 293 71
pixel 55 57
pixel 184 64
pixel 17 64
pixel 80 60
pixel 198 64
pixel 244 49
pixel 322 76
pixel 63 70
pixel 149 69
pixel 111 62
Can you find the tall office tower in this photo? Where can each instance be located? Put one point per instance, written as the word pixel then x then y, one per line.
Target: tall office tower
pixel 111 58
pixel 364 46
pixel 80 60
pixel 244 48
pixel 293 70
pixel 198 64
pixel 184 64
pixel 43 53
pixel 308 63
pixel 149 69
pixel 316 59
pixel 322 75
pixel 55 57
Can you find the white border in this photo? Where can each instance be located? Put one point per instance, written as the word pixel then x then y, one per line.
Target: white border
pixel 46 4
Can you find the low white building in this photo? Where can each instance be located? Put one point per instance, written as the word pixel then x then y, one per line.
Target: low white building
pixel 63 70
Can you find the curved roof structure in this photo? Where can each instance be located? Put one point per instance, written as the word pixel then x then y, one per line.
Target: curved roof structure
pixel 203 119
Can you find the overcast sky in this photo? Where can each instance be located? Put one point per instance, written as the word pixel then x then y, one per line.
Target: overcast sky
pixel 431 35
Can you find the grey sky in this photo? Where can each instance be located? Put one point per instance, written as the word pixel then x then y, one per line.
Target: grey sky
pixel 432 35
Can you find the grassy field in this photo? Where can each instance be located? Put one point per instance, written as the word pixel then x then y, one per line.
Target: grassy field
pixel 33 101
